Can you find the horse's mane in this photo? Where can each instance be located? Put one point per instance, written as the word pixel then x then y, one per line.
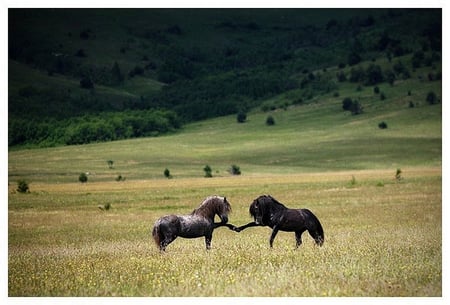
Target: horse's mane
pixel 212 205
pixel 273 201
pixel 267 201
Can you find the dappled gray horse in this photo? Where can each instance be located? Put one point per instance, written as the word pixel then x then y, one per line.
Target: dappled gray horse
pixel 197 224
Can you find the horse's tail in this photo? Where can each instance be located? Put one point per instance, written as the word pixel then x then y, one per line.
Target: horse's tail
pixel 156 235
pixel 315 228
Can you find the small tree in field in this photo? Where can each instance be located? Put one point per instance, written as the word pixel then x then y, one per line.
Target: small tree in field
pixel 235 170
pixel 83 178
pixel 167 174
pixel 270 121
pixel 208 171
pixel 22 186
pixel 241 117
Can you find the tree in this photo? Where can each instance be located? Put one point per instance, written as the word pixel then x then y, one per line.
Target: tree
pixel 235 170
pixel 241 117
pixel 83 178
pixel 374 75
pixel 167 173
pixel 22 186
pixel 432 98
pixel 347 104
pixel 270 121
pixel 86 83
pixel 116 74
pixel 208 171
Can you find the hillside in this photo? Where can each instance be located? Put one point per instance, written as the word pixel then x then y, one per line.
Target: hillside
pixel 314 136
pixel 85 75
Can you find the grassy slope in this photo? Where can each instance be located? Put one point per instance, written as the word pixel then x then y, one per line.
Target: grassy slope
pixel 317 136
pixel 60 244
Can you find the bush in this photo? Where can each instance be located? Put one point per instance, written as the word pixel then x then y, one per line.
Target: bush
pixel 83 178
pixel 432 98
pixel 376 90
pixel 208 171
pixel 241 117
pixel 235 170
pixel 270 121
pixel 167 174
pixel 347 104
pixel 86 83
pixel 22 186
pixel 120 178
pixel 382 125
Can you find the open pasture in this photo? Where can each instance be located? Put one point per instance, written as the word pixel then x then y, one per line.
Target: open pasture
pixel 382 238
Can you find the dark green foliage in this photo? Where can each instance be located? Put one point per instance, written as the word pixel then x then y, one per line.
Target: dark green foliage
pixel 374 75
pixel 241 117
pixel 207 66
pixel 22 186
pixel 270 121
pixel 382 96
pixel 432 98
pixel 382 125
pixel 83 178
pixel 376 90
pixel 110 164
pixel 120 178
pixel 93 128
pixel 167 173
pixel 86 83
pixel 398 174
pixel 347 104
pixel 235 170
pixel 208 171
pixel 353 106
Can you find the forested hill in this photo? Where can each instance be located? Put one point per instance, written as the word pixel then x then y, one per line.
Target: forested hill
pixel 84 75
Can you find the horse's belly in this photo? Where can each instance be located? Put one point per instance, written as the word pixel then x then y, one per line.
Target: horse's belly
pixel 192 228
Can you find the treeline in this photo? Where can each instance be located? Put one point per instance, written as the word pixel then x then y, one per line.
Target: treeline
pixel 92 128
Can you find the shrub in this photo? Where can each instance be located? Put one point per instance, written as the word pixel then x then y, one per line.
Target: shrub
pixel 356 108
pixel 432 98
pixel 235 170
pixel 347 104
pixel 270 121
pixel 376 90
pixel 83 178
pixel 167 174
pixel 208 171
pixel 110 164
pixel 382 125
pixel 120 178
pixel 22 186
pixel 86 83
pixel 241 117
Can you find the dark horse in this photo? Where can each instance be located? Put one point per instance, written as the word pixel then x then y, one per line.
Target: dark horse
pixel 267 211
pixel 197 224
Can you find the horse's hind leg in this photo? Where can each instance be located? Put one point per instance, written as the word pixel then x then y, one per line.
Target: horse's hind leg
pixel 166 241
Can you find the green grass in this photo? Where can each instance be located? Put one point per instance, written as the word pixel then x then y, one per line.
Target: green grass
pixel 61 244
pixel 383 237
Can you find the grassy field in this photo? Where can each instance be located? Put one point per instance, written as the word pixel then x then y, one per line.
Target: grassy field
pixel 383 236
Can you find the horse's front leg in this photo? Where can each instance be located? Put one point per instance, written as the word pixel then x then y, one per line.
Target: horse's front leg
pixel 208 238
pixel 249 225
pixel 272 237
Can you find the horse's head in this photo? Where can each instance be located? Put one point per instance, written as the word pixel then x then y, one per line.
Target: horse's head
pixel 257 210
pixel 214 205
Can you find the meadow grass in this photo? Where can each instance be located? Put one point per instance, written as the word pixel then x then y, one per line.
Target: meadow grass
pixel 379 240
pixel 383 236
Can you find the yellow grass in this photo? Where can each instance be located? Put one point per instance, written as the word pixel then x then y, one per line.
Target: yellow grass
pixel 382 238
